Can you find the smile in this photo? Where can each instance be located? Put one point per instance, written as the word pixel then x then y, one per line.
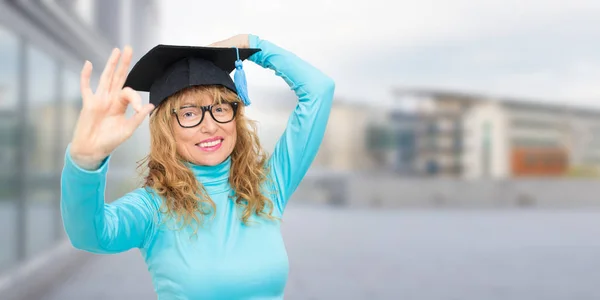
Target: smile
pixel 210 146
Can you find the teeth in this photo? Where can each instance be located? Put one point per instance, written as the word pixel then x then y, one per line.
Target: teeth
pixel 210 144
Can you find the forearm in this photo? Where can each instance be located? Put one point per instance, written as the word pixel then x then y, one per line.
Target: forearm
pixel 82 204
pixel 94 226
pixel 300 142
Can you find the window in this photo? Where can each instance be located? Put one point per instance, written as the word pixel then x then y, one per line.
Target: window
pixel 42 170
pixel 432 167
pixel 9 144
pixel 533 141
pixel 380 138
pixel 71 106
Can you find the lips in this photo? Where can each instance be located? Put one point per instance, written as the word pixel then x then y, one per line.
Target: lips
pixel 211 144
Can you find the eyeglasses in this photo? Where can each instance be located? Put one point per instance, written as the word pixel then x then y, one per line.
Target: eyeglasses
pixel 191 115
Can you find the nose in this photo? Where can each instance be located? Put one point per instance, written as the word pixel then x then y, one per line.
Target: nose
pixel 208 125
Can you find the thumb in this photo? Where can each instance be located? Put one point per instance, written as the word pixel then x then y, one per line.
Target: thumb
pixel 138 117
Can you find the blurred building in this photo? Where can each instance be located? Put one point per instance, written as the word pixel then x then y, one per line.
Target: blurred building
pixel 473 136
pixel 345 143
pixel 43 45
pixel 430 133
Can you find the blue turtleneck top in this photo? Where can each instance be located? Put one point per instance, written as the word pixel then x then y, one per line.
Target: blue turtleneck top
pixel 226 259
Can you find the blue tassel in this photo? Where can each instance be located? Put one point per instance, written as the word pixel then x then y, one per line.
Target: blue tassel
pixel 239 78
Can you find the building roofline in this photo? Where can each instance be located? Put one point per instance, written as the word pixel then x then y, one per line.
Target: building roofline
pixel 516 102
pixel 71 33
pixel 436 92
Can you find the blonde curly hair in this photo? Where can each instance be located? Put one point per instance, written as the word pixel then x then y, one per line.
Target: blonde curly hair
pixel 184 197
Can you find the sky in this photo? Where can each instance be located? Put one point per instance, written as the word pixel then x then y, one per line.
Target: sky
pixel 541 50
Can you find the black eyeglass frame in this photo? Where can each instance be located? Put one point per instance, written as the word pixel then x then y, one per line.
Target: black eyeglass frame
pixel 205 108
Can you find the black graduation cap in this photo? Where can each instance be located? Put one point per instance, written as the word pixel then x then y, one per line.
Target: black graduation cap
pixel 167 69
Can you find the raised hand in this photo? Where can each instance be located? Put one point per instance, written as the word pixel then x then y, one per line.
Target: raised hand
pixel 239 41
pixel 102 125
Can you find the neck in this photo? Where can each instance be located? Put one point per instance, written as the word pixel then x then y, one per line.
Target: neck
pixel 213 178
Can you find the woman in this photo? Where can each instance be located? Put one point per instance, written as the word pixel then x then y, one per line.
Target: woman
pixel 206 220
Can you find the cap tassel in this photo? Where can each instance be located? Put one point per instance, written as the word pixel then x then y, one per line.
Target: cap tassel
pixel 239 78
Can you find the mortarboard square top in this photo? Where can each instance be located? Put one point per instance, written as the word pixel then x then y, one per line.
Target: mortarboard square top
pixel 168 69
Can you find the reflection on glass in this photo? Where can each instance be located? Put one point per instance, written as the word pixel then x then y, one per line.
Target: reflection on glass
pixel 42 169
pixel 42 110
pixel 9 58
pixel 71 105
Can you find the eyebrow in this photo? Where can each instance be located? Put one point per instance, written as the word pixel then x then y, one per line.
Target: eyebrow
pixel 215 101
pixel 188 105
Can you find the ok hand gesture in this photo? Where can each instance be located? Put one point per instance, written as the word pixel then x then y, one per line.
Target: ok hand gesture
pixel 102 124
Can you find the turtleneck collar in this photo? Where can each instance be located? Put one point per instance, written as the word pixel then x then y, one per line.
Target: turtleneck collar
pixel 214 178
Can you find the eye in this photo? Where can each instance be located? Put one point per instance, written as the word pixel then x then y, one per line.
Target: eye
pixel 189 112
pixel 221 108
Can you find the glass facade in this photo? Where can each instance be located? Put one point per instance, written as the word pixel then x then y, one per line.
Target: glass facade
pixel 9 144
pixel 39 105
pixel 71 105
pixel 42 190
pixel 40 101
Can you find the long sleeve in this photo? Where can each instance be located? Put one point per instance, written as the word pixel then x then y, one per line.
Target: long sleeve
pixel 297 147
pixel 95 226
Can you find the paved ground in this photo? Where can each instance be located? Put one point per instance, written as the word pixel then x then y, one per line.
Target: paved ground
pixel 349 254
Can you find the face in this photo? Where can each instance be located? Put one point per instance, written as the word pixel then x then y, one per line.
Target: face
pixel 209 143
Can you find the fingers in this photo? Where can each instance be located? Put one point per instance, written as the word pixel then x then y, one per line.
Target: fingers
pixel 86 73
pixel 121 75
pixel 137 119
pixel 129 96
pixel 107 74
pixel 222 43
pixel 239 41
pixel 217 44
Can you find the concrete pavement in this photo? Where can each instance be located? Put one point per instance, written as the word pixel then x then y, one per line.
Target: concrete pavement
pixel 421 255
